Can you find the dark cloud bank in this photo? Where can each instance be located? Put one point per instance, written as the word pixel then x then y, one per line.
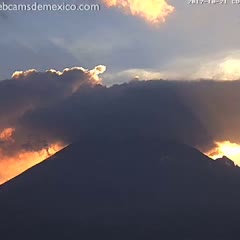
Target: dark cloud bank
pixel 45 107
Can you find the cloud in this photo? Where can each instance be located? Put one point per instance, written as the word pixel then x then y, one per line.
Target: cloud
pixel 224 66
pixel 132 74
pixel 31 90
pixel 28 90
pixel 195 113
pixel 42 110
pixel 135 46
pixel 153 11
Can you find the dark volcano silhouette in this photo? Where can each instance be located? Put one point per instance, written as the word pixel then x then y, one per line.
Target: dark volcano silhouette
pixel 123 189
pixel 225 161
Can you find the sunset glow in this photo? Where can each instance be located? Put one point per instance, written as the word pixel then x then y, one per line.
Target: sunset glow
pixel 6 135
pixel 153 11
pixel 228 149
pixel 230 69
pixel 10 167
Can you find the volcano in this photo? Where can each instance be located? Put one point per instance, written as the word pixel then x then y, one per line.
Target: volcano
pixel 123 189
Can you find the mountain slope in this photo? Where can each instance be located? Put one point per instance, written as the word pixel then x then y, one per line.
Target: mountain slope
pixel 115 189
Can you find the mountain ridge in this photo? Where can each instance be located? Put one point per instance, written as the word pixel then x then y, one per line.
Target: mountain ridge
pixel 131 189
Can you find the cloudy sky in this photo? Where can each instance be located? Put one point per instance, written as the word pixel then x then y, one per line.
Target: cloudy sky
pixel 195 41
pixel 65 63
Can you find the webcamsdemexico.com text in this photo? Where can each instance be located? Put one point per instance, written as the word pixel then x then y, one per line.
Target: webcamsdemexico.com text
pixel 48 7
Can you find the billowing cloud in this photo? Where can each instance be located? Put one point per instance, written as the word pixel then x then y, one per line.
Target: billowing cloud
pixel 20 148
pixel 43 112
pixel 153 11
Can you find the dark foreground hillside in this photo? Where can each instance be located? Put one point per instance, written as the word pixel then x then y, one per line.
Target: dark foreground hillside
pixel 123 190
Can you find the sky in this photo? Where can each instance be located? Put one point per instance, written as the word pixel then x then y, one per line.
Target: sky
pixel 59 72
pixel 195 41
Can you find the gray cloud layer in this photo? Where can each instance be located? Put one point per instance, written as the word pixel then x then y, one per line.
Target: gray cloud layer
pixel 48 107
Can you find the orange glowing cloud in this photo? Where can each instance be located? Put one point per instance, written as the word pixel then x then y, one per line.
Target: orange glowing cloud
pixel 93 74
pixel 153 11
pixel 6 135
pixel 12 166
pixel 228 149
